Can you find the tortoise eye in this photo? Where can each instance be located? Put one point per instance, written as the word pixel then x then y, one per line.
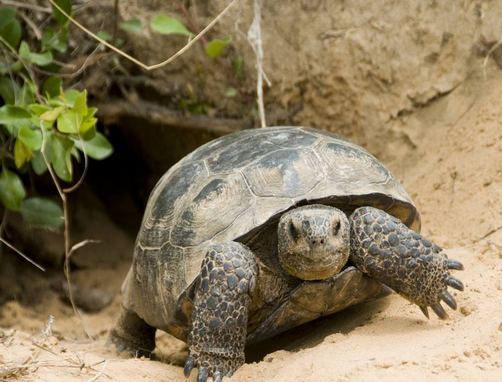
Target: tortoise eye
pixel 292 231
pixel 336 228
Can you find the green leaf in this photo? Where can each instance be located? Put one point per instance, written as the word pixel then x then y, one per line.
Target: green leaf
pixel 40 59
pixel 61 156
pixel 164 24
pixel 42 213
pixel 31 138
pixel 52 115
pixel 52 86
pixel 7 14
pixel 13 115
pixel 215 47
pixel 12 33
pixel 68 122
pixel 53 40
pixel 47 38
pixel 230 92
pixel 27 94
pixel 88 128
pixel 75 154
pixel 60 18
pixel 38 163
pixel 39 109
pixel 22 153
pixel 80 105
pixel 8 90
pixel 70 96
pixel 97 148
pixel 133 26
pixel 12 190
pixel 104 35
pixel 4 69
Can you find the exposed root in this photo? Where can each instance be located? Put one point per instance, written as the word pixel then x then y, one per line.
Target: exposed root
pixel 154 113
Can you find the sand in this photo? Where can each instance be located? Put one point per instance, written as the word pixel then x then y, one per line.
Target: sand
pixel 455 177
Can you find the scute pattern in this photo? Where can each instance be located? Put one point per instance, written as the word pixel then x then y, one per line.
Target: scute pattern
pixel 240 153
pixel 285 173
pixel 156 227
pixel 215 207
pixel 159 278
pixel 234 185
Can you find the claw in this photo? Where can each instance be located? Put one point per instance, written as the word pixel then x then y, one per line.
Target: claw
pixel 190 363
pixel 454 264
pixel 449 300
pixel 120 348
pixel 439 310
pixel 202 377
pixel 108 343
pixel 425 311
pixel 454 283
pixel 218 377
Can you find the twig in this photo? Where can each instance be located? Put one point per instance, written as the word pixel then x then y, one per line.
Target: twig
pixel 86 166
pixel 67 272
pixel 223 64
pixel 28 21
pixel 134 60
pixel 90 60
pixel 66 266
pixel 190 19
pixel 22 254
pixel 26 6
pixel 254 38
pixel 83 243
pixel 99 374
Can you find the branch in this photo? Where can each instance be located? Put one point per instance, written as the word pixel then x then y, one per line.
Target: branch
pixel 254 38
pixel 190 19
pixel 67 250
pixel 157 114
pixel 134 60
pixel 22 254
pixel 26 6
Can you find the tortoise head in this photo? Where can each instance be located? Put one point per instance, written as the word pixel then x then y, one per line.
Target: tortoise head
pixel 313 242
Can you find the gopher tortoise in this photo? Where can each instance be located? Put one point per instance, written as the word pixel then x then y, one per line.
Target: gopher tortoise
pixel 263 230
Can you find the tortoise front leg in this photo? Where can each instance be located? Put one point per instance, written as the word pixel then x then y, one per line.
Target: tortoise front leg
pixel 219 320
pixel 387 250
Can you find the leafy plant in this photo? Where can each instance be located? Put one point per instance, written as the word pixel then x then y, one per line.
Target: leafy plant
pixel 40 127
pixel 215 47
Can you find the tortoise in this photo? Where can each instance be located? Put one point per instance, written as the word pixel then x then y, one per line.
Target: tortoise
pixel 263 230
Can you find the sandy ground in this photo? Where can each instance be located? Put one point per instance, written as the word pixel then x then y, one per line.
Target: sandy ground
pixel 455 177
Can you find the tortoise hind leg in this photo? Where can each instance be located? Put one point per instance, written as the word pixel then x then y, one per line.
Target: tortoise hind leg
pixel 382 247
pixel 219 319
pixel 134 334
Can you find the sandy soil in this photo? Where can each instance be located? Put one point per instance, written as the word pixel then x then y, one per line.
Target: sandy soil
pixel 454 176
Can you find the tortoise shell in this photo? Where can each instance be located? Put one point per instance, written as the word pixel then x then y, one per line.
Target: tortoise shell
pixel 231 188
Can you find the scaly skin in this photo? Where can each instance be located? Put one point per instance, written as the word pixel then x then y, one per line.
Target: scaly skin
pixel 133 334
pixel 312 239
pixel 219 319
pixel 385 249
